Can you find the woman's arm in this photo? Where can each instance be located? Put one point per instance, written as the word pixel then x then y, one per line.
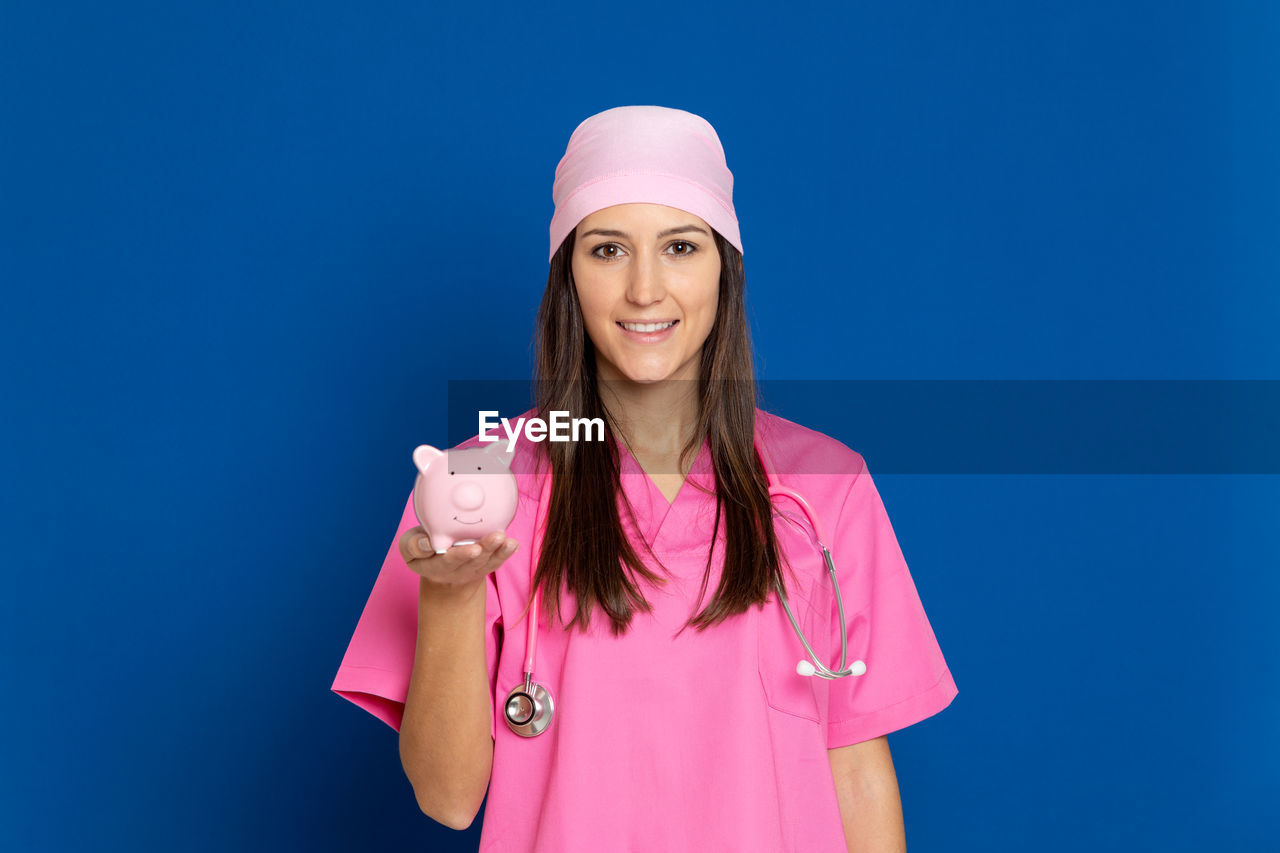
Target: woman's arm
pixel 445 746
pixel 867 788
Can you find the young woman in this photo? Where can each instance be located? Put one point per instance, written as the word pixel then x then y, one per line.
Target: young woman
pixel 664 707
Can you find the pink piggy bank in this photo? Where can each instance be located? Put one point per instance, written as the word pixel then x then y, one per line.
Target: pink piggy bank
pixel 461 496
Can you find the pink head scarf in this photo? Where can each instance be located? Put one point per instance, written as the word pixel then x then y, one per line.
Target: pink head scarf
pixel 657 155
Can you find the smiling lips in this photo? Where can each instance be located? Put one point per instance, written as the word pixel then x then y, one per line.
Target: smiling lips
pixel 652 326
pixel 651 332
pixel 460 521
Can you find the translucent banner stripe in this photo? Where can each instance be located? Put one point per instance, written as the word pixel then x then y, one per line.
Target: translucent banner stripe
pixel 925 426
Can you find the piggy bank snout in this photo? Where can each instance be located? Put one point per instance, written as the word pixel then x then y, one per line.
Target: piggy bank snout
pixel 467 495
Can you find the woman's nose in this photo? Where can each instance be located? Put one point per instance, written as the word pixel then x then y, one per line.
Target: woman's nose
pixel 646 284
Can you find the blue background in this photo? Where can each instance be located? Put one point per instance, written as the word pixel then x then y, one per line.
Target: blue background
pixel 244 247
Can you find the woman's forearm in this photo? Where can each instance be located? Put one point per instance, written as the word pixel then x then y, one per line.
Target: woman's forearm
pixel 867 790
pixel 445 743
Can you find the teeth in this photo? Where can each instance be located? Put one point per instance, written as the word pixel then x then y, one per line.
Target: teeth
pixel 646 327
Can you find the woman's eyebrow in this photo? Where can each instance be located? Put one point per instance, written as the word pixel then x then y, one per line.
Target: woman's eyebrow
pixel 604 232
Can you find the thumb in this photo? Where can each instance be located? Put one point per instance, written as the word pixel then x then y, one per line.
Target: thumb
pixel 415 544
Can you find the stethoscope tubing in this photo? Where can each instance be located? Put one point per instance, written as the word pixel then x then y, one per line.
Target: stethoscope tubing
pixel 776 489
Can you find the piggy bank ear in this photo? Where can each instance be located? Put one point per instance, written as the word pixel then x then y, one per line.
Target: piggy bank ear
pixel 424 455
pixel 498 450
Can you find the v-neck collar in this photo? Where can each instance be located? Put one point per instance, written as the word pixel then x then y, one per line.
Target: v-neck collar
pixel 653 510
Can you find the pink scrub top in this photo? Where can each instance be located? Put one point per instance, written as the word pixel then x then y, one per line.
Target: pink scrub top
pixel 702 741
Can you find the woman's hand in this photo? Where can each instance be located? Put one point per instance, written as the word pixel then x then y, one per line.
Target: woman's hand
pixel 461 566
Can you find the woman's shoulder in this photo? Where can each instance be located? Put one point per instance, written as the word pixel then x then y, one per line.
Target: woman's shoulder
pixel 797 449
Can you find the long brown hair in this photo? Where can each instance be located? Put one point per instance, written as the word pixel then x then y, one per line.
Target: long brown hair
pixel 585 546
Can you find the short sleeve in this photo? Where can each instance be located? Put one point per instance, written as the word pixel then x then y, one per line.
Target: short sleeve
pixel 374 674
pixel 907 679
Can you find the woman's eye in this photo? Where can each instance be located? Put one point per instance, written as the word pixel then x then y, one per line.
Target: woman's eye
pixel 616 251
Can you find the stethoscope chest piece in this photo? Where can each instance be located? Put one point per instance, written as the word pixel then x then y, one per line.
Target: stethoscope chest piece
pixel 529 709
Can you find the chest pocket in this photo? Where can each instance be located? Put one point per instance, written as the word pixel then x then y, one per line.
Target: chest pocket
pixel 779 649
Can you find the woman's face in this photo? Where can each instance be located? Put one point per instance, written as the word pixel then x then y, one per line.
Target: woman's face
pixel 646 264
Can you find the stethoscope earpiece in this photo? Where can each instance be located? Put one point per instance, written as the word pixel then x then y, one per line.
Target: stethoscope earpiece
pixel 805 667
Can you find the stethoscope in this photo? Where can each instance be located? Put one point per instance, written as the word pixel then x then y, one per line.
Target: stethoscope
pixel 529 707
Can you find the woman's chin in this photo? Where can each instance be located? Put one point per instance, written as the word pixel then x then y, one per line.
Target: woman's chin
pixel 649 371
pixel 646 375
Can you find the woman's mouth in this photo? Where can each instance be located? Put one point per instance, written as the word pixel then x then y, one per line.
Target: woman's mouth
pixel 648 333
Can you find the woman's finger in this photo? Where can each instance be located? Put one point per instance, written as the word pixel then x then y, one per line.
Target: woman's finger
pixel 475 565
pixel 415 544
pixel 499 556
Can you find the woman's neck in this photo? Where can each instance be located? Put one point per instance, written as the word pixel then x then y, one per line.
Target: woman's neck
pixel 657 418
